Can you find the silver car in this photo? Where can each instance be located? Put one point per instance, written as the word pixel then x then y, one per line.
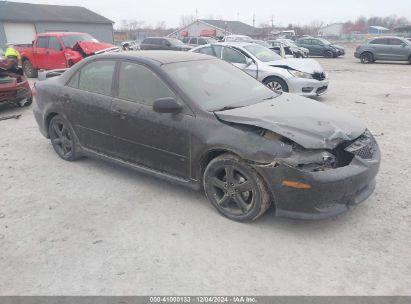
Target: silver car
pixel 384 48
pixel 300 76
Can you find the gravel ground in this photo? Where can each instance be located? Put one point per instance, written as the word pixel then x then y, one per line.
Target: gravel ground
pixel 89 227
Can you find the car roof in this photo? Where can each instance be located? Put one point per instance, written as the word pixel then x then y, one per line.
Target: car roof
pixel 162 57
pixel 385 37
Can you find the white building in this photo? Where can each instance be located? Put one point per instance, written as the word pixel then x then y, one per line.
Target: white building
pixel 332 30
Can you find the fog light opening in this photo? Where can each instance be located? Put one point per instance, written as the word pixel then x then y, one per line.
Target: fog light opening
pixel 307 90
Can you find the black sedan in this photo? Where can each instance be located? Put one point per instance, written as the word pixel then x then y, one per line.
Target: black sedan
pixel 201 122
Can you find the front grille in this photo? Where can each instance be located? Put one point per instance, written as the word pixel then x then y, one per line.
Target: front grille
pixel 319 76
pixel 364 147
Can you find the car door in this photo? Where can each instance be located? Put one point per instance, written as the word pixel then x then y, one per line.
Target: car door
pixel 40 50
pixel 398 51
pixel 380 49
pixel 306 43
pixel 56 58
pixel 158 141
pixel 317 47
pixel 235 57
pixel 87 102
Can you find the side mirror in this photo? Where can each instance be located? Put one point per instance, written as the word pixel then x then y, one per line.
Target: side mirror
pixel 168 43
pixel 166 105
pixel 249 61
pixel 404 44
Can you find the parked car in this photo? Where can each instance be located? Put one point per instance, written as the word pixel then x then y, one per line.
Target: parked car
pixel 14 86
pixel 196 41
pixel 59 50
pixel 303 77
pixel 384 48
pixel 164 44
pixel 320 47
pixel 297 51
pixel 199 121
pixel 281 49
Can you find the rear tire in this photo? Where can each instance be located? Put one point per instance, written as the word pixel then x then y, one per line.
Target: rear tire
pixel 409 60
pixel 276 84
pixel 63 139
pixel 235 189
pixel 29 70
pixel 367 58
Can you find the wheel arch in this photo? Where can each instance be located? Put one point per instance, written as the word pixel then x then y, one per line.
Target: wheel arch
pixel 277 77
pixel 47 121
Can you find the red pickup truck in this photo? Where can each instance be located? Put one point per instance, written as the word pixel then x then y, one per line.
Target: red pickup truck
pixel 59 50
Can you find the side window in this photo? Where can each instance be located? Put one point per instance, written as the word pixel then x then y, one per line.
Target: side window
pixel 379 41
pixel 164 42
pixel 95 77
pixel 42 42
pixel 193 41
pixel 315 42
pixel 206 50
pixel 202 41
pixel 54 44
pixel 233 56
pixel 395 41
pixel 137 83
pixel 186 39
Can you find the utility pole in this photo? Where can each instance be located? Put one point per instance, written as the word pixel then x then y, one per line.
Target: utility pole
pixel 272 21
pixel 254 20
pixel 196 14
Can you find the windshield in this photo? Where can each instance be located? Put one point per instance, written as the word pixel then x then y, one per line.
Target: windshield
pixel 70 41
pixel 214 84
pixel 262 53
pixel 175 41
pixel 325 42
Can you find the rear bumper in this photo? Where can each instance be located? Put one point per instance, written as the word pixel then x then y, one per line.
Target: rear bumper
pixel 332 191
pixel 356 54
pixel 15 91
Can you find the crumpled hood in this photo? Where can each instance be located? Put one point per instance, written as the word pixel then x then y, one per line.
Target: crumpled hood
pixel 89 48
pixel 309 123
pixel 303 65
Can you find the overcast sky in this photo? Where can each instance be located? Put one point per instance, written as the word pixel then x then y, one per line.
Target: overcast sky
pixel 284 12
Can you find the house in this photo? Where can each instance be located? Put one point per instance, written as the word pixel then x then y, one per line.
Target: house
pixel 20 22
pixel 209 28
pixel 335 30
pixel 377 30
pixel 404 30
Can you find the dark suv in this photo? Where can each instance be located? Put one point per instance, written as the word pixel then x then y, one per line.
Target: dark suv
pixel 164 43
pixel 320 47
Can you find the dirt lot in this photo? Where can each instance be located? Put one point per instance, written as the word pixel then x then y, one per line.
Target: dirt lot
pixel 89 227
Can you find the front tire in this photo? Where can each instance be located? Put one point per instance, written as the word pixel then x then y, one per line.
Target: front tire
pixel 276 84
pixel 367 58
pixel 29 70
pixel 235 189
pixel 63 139
pixel 328 54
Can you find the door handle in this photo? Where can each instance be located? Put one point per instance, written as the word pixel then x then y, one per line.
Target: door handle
pixel 120 113
pixel 66 98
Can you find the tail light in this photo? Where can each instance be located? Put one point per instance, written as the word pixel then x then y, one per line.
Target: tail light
pixel 34 91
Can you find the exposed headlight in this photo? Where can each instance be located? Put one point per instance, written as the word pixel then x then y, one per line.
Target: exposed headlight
pixel 299 74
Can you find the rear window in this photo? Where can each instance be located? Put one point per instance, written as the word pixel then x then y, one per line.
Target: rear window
pixel 395 41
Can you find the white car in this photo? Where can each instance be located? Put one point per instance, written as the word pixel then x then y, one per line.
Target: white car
pixel 304 77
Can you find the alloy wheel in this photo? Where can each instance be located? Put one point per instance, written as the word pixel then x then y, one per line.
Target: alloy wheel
pixel 232 190
pixel 276 86
pixel 61 138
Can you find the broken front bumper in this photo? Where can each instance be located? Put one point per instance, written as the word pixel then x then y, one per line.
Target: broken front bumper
pixel 14 92
pixel 332 191
pixel 308 87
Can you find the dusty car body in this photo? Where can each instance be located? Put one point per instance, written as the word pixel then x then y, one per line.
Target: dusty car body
pixel 303 77
pixel 14 86
pixel 170 114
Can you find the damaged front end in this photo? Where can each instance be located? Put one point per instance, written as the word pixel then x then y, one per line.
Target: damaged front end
pixel 14 86
pixel 319 183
